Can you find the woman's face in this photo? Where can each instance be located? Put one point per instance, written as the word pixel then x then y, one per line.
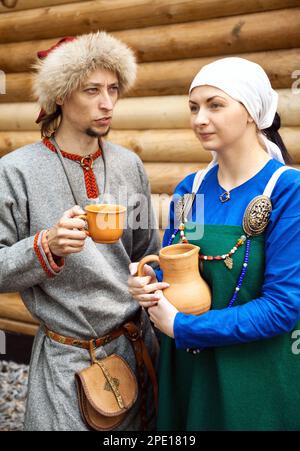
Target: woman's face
pixel 218 120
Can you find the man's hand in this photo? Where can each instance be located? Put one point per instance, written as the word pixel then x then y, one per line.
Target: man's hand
pixel 67 236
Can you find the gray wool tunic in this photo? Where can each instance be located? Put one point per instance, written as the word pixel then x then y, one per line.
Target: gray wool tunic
pixel 89 297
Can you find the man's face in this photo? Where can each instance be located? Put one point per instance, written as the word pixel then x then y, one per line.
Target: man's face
pixel 89 109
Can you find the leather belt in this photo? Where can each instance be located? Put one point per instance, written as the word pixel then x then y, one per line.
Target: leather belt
pixel 85 344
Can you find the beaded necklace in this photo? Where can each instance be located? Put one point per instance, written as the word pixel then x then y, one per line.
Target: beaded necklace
pixel 226 257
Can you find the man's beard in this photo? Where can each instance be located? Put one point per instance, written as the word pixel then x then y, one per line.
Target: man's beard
pixel 95 134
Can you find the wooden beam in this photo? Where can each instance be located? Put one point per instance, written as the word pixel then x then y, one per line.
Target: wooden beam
pixel 229 35
pixel 12 307
pixel 9 325
pixel 10 141
pixel 164 177
pixel 237 34
pixel 160 145
pixel 173 77
pixel 180 145
pixel 144 113
pixel 22 5
pixel 121 15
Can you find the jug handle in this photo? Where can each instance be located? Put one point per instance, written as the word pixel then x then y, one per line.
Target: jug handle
pixel 147 259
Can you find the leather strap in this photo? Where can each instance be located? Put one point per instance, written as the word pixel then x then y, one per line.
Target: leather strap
pixel 143 359
pixel 85 344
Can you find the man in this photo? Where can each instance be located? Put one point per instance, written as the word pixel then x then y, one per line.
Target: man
pixel 74 286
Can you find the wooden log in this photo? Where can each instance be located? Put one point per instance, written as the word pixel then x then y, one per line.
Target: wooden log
pixel 9 325
pixel 18 116
pixel 151 112
pixel 19 57
pixel 173 77
pixel 230 35
pixel 168 112
pixel 12 307
pixel 161 145
pixel 182 145
pixel 121 15
pixel 291 139
pixel 10 141
pixel 233 35
pixel 145 113
pixel 22 5
pixel 158 145
pixel 288 108
pixel 173 112
pixel 18 88
pixel 164 177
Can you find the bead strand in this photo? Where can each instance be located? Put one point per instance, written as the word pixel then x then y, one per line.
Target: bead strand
pixel 173 237
pixel 236 291
pixel 242 275
pixel 239 243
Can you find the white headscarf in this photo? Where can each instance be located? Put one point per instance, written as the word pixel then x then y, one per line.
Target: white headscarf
pixel 247 83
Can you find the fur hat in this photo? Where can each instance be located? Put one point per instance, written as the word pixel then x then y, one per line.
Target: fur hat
pixel 66 65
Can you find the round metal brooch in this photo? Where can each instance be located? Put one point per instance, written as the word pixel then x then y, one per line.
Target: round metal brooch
pixel 257 215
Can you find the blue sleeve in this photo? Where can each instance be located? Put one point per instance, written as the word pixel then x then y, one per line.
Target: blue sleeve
pixel 159 275
pixel 277 310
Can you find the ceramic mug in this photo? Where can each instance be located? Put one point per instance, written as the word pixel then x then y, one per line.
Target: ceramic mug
pixel 105 222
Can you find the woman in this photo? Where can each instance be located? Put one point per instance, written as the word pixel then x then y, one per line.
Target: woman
pixel 242 368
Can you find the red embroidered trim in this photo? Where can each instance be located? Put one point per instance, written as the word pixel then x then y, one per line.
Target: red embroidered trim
pixel 89 176
pixel 60 261
pixel 40 257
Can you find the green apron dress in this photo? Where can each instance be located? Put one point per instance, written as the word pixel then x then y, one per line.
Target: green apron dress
pixel 239 387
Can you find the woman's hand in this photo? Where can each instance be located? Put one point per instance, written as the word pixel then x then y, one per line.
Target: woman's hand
pixel 163 315
pixel 68 235
pixel 143 289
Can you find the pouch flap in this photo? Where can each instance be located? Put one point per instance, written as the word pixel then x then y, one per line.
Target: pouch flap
pixel 97 388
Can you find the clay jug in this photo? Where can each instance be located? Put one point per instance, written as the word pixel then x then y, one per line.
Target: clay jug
pixel 188 292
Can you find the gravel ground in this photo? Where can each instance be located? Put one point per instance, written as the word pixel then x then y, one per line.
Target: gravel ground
pixel 13 390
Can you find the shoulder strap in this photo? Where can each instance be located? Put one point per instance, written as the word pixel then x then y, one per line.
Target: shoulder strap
pixel 272 182
pixel 196 185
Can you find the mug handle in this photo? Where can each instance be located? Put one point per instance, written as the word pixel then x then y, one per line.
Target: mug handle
pixel 147 259
pixel 84 217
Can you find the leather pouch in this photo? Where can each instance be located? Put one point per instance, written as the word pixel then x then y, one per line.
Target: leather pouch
pixel 106 392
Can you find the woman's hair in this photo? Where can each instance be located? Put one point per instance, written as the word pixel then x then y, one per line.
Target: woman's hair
pixel 50 122
pixel 273 135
